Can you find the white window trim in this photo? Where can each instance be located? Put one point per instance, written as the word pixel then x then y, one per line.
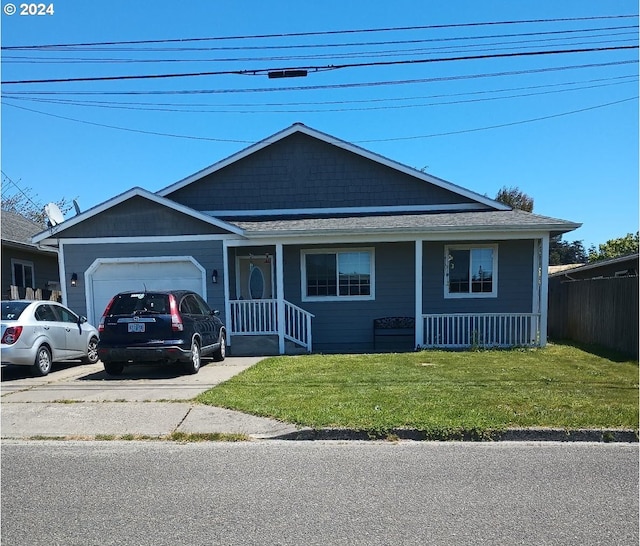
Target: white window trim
pixel 303 274
pixel 23 263
pixel 467 295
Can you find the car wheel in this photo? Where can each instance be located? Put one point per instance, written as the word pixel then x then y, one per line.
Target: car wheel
pixel 92 352
pixel 113 368
pixel 221 352
pixel 193 364
pixel 42 364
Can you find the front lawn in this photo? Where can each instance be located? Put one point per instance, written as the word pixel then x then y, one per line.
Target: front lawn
pixel 438 391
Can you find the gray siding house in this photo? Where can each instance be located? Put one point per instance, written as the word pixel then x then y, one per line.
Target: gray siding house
pixel 27 269
pixel 303 240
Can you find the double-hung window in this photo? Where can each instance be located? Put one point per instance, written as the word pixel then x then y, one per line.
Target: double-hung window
pixel 22 274
pixel 338 275
pixel 471 271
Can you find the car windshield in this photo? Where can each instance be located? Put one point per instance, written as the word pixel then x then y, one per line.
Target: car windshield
pixel 129 304
pixel 11 310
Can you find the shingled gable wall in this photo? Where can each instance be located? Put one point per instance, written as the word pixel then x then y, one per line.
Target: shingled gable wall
pixel 302 172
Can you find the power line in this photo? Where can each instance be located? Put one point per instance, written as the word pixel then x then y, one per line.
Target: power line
pixel 263 71
pixel 501 125
pixel 352 44
pixel 190 137
pixel 323 33
pixel 587 40
pixel 182 108
pixel 253 90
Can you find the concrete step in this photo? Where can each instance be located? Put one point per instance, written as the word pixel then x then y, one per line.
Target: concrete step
pixel 262 346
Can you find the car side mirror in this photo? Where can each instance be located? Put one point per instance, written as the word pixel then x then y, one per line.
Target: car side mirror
pixel 82 320
pixel 216 312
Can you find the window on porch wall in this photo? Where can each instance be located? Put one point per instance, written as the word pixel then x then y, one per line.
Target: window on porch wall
pixel 470 271
pixel 338 274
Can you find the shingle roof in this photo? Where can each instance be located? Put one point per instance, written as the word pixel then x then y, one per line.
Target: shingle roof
pixel 18 229
pixel 511 220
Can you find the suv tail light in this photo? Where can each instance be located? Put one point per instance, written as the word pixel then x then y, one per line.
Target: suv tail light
pixel 176 319
pixel 11 335
pixel 104 315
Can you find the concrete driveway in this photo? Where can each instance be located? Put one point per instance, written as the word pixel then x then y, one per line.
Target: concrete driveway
pixel 89 383
pixel 83 401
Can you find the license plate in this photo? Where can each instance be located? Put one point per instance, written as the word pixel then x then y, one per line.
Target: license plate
pixel 137 327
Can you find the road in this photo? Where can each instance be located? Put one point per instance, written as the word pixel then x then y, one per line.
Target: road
pixel 318 493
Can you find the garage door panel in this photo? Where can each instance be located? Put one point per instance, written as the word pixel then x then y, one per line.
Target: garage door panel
pixel 109 279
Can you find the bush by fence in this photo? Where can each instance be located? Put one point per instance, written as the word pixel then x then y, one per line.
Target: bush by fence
pixel 596 311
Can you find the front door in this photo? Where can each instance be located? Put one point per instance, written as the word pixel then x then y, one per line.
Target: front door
pixel 254 277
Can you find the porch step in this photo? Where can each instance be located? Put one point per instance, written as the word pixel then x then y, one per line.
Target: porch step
pixel 262 346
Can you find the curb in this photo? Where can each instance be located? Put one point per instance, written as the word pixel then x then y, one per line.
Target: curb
pixel 509 435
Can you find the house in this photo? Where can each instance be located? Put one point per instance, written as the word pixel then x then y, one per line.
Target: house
pixel 304 240
pixel 26 265
pixel 622 266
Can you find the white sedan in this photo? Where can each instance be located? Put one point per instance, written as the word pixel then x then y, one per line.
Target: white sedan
pixel 38 333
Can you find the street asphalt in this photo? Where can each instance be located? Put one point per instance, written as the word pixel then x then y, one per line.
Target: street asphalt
pixel 82 401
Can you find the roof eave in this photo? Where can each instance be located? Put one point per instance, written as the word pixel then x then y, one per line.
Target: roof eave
pixel 553 228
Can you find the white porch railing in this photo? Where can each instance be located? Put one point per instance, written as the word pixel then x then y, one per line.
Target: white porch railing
pixel 260 317
pixel 461 330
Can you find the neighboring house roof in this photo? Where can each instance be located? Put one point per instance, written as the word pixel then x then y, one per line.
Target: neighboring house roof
pixel 593 267
pixel 18 230
pixel 561 268
pixel 301 128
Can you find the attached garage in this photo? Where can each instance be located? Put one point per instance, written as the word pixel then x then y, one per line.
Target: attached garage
pixel 108 276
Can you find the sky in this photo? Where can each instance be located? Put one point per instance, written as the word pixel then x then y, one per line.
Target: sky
pixel 498 93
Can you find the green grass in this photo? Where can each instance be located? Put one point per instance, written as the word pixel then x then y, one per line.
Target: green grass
pixel 440 392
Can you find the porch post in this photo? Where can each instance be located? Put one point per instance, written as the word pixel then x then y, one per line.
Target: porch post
pixel 544 290
pixel 419 341
pixel 280 294
pixel 535 296
pixel 225 281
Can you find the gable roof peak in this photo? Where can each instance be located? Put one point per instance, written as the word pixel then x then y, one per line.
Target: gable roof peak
pixel 299 127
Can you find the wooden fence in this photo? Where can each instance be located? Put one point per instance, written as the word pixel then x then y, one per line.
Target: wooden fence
pixel 21 293
pixel 596 311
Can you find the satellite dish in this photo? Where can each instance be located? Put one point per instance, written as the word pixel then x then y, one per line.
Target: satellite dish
pixel 76 206
pixel 53 214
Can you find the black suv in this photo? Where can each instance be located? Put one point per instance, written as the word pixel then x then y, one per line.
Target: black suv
pixel 159 326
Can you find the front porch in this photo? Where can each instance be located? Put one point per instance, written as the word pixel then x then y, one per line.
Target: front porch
pixel 261 317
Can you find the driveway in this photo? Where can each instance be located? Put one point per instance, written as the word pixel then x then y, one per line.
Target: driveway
pixel 82 401
pixel 70 382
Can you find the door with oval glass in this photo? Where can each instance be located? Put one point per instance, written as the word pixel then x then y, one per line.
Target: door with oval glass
pixel 254 277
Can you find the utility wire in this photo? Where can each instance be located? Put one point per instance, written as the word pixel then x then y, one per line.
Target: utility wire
pixel 332 86
pixel 352 44
pixel 323 33
pixel 210 109
pixel 460 48
pixel 263 71
pixel 501 125
pixel 597 82
pixel 190 137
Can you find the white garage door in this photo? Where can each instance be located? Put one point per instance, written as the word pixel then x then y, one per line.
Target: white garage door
pixel 107 278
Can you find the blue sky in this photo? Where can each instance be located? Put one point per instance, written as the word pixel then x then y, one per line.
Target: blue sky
pixel 580 162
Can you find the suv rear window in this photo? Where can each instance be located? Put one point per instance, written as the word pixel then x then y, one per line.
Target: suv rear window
pixel 149 302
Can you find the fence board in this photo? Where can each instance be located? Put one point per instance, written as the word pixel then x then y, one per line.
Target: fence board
pixel 596 311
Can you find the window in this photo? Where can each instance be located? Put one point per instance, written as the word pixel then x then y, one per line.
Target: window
pixel 471 272
pixel 342 274
pixel 22 274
